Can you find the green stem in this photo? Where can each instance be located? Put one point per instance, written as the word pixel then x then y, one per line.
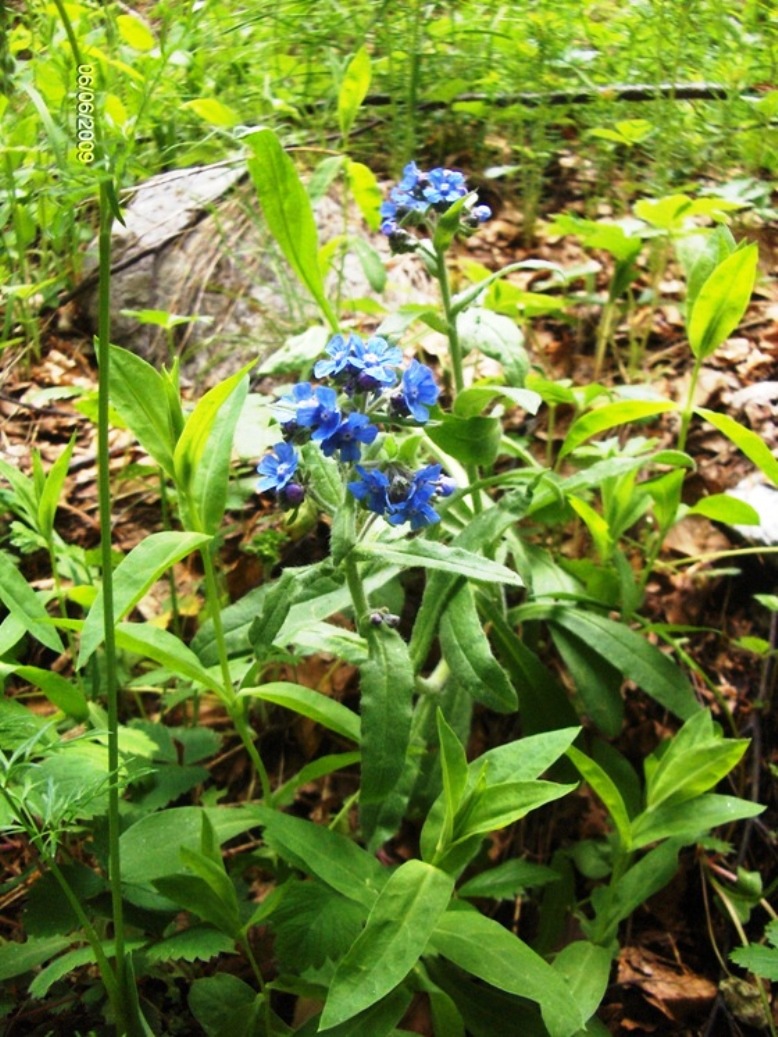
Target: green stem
pixel 455 351
pixel 111 681
pixel 235 706
pixel 686 417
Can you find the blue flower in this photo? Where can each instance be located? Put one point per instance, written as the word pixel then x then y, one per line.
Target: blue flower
pixel 410 501
pixel 372 362
pixel 482 213
pixel 371 488
pixel 277 468
pixel 418 393
pixel 340 351
pixel 319 412
pixel 351 431
pixel 285 408
pixel 444 187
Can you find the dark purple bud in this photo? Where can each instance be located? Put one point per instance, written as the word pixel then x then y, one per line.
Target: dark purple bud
pixel 376 618
pixel 292 495
pixel 398 404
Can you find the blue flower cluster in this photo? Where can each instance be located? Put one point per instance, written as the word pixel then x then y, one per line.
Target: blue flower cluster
pixel 400 495
pixel 420 193
pixel 367 375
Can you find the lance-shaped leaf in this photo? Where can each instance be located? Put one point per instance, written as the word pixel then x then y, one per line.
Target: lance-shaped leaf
pixel 134 575
pixel 308 703
pixel 430 554
pixel 722 301
pixel 353 89
pixel 288 213
pixel 25 605
pixel 143 400
pixel 394 938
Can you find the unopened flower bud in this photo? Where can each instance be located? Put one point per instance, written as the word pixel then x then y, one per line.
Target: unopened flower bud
pixel 292 495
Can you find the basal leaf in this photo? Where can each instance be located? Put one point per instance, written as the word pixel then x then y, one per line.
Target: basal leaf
pixel 140 396
pixel 722 300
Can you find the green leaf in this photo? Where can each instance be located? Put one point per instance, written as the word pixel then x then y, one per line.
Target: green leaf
pixel 367 194
pixel 287 210
pixel 501 804
pixel 720 507
pixel 609 416
pixel 752 445
pixel 330 857
pixel 197 943
pixel 498 337
pixel 25 605
pixel 700 254
pixel 308 703
pixel 353 89
pixel 430 554
pixel 133 577
pixel 143 401
pixel 508 880
pixel 18 958
pixel 52 488
pixel 211 476
pixel 213 997
pixel 395 936
pixel 325 477
pixel 313 923
pixel 197 896
pixel 616 902
pixel 630 653
pixel 761 961
pixel 481 946
pixel 722 301
pixel 196 436
pixel 586 968
pixel 468 440
pixel 596 680
pixel 387 685
pixel 691 820
pixel 379 1020
pixel 603 785
pixel 212 111
pixel 135 33
pixel 169 651
pixel 468 653
pixel 453 765
pixel 448 224
pixel 61 692
pixel 472 401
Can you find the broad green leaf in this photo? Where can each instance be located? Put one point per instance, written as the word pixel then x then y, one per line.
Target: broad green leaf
pixel 508 880
pixel 752 445
pixel 212 111
pixel 448 224
pixel 335 860
pixel 153 642
pixel 379 1020
pixel 210 478
pixel 133 577
pixel 666 213
pixel 308 703
pixel 52 489
pixel 628 652
pixel 196 437
pixel 429 554
pixel 318 768
pixel 395 936
pixel 387 685
pixel 17 958
pixel 197 943
pixel 586 968
pixel 498 337
pixel 472 401
pixel 287 210
pixel 71 960
pixel 473 440
pixel 609 416
pixel 353 89
pixel 617 901
pixel 722 301
pixel 453 765
pixel 720 507
pixel 213 997
pixel 195 894
pixel 690 820
pixel 312 923
pixel 367 194
pixel 135 33
pixel 63 693
pixel 499 805
pixel 25 605
pixel 603 785
pixel 597 682
pixel 700 253
pixel 468 653
pixel 325 477
pixel 690 766
pixel 142 400
pixel 481 946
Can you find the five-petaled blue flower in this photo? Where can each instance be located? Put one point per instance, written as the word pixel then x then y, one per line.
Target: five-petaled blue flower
pixel 372 362
pixel 418 392
pixel 340 349
pixel 371 488
pixel 319 412
pixel 277 468
pixel 444 187
pixel 351 431
pixel 402 496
